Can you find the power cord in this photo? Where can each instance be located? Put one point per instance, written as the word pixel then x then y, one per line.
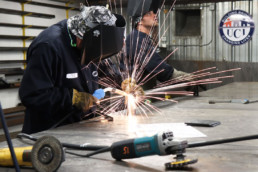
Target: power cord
pixel 8 139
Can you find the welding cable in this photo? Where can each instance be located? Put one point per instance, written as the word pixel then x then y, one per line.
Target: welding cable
pixel 83 147
pixel 67 145
pixel 103 150
pixel 27 136
pixel 9 141
pixel 216 142
pixel 74 111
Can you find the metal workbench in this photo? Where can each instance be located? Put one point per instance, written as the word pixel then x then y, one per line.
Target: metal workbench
pixel 236 120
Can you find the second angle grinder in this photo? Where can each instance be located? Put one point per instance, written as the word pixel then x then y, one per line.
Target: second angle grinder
pixel 46 155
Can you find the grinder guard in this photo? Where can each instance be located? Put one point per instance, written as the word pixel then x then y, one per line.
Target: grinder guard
pixel 102 42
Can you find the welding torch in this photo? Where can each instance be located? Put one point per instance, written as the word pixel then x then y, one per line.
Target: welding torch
pixel 129 104
pixel 114 90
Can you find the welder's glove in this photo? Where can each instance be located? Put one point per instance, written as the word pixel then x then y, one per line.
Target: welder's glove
pixel 83 101
pixel 129 86
pixel 99 94
pixel 181 75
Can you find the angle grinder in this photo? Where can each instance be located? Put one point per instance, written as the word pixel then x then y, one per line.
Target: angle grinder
pixel 46 155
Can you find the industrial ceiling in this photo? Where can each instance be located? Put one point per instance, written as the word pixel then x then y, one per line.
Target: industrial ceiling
pixel 124 2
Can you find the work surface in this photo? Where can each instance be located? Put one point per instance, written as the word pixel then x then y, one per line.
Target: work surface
pixel 236 120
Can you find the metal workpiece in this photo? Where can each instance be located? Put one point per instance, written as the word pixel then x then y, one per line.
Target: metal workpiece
pixel 243 101
pixel 237 120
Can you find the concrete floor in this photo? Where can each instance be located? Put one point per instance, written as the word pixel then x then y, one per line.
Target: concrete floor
pixel 236 120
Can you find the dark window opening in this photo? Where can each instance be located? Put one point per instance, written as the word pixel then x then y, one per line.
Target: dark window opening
pixel 188 22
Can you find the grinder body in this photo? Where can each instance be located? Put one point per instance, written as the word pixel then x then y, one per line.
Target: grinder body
pixel 159 144
pixel 22 155
pixel 46 155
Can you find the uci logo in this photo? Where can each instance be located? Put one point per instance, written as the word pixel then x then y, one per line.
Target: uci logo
pixel 236 27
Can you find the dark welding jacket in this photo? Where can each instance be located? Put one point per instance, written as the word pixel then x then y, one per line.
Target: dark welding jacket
pixel 53 70
pixel 139 43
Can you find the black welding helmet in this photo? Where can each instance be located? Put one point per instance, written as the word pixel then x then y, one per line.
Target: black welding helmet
pixel 101 30
pixel 138 8
pixel 102 42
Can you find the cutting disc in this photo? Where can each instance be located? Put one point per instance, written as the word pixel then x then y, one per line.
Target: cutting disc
pixel 180 164
pixel 47 154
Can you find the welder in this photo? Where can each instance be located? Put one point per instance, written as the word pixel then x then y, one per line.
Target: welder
pixel 62 68
pixel 140 44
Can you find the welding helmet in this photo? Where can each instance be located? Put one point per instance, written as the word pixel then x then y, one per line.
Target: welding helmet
pixel 102 42
pixel 102 32
pixel 88 18
pixel 136 9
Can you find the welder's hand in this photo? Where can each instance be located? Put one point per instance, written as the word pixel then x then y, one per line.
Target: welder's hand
pixel 138 91
pixel 83 101
pixel 129 86
pixel 99 94
pixel 182 75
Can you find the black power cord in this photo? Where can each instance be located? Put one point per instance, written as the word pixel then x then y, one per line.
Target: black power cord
pixel 106 149
pixel 216 142
pixel 67 145
pixel 96 149
pixel 190 145
pixel 8 139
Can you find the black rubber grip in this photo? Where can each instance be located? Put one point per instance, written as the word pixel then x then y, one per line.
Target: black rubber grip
pixel 123 149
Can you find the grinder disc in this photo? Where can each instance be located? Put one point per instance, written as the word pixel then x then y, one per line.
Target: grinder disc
pixel 47 154
pixel 180 163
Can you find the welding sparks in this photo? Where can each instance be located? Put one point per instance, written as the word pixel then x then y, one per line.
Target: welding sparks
pixel 132 123
pixel 131 105
pixel 129 95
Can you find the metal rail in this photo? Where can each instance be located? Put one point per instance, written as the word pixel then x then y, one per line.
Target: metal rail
pixel 45 4
pixel 26 13
pixel 22 26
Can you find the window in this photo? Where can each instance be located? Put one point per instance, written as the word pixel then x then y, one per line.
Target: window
pixel 188 22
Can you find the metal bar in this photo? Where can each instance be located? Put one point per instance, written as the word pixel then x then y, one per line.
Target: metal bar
pixel 44 4
pixel 16 37
pixel 64 1
pixel 124 2
pixel 12 61
pixel 23 25
pixel 14 109
pixel 11 71
pixel 13 135
pixel 197 1
pixel 32 14
pixel 13 48
pixel 9 85
pixel 13 120
pixel 14 115
pixel 23 34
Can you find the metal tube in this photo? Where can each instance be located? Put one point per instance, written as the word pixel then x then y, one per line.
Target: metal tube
pixel 9 141
pixel 216 142
pixel 166 88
